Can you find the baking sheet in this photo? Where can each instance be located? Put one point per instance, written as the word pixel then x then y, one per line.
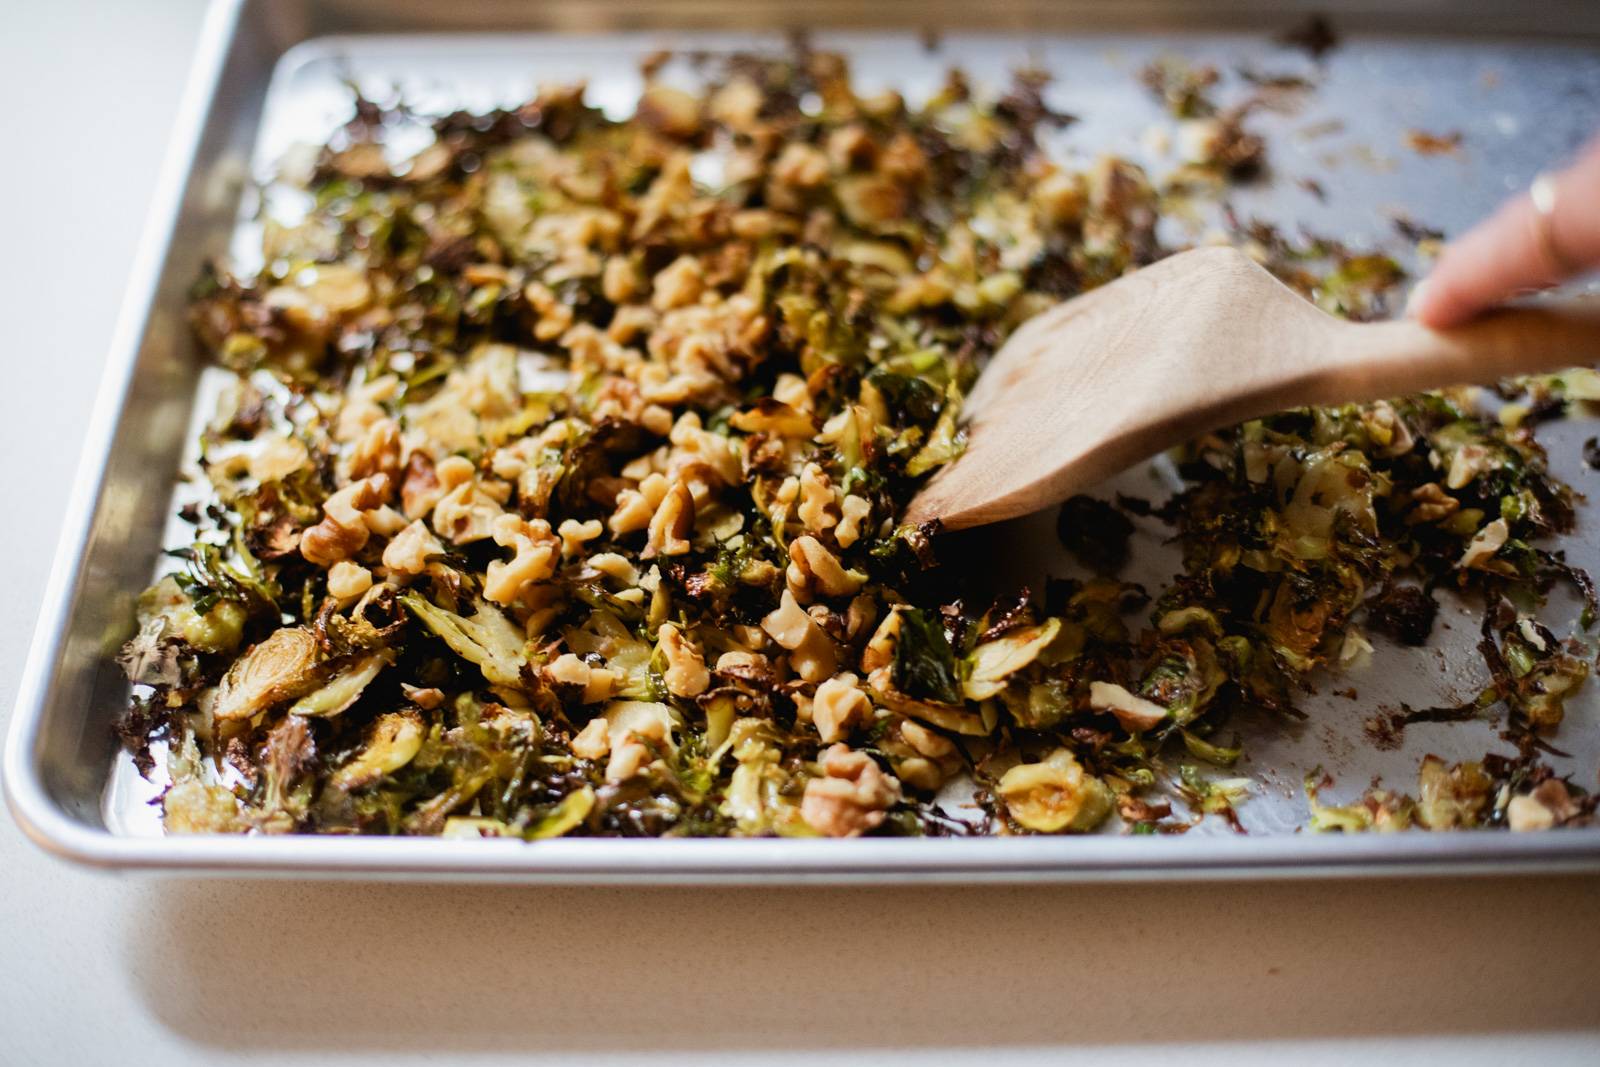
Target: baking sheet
pixel 1348 135
pixel 1517 105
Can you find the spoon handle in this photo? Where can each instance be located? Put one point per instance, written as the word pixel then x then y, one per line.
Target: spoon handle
pixel 1373 360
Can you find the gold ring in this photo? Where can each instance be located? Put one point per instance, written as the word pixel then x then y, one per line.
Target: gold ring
pixel 1542 193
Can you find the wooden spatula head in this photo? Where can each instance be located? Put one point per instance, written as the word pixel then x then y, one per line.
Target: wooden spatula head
pixel 1199 340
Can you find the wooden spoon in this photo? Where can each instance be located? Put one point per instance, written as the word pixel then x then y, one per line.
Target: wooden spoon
pixel 1199 340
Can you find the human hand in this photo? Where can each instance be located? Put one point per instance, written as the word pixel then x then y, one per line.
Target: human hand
pixel 1536 240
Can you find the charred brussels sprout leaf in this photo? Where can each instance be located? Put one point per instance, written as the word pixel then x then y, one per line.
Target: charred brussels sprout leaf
pixel 485 637
pixel 1095 532
pixel 924 664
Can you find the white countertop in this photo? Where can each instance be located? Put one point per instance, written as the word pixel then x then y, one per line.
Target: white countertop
pixel 96 969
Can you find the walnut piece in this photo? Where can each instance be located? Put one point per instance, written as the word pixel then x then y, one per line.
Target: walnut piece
pixel 637 732
pixel 671 524
pixel 347 580
pixel 800 166
pixel 406 556
pixel 419 486
pixel 853 512
pixel 596 683
pixel 593 741
pixel 343 531
pixel 1135 713
pixel 813 571
pixel 852 796
pixel 686 674
pixel 537 553
pixel 812 652
pixel 466 513
pixel 376 451
pixel 636 507
pixel 680 283
pixel 1431 504
pixel 818 509
pixel 573 534
pixel 277 457
pixel 838 707
pixel 1483 546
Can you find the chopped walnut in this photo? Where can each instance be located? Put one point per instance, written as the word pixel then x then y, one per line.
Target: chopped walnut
pixel 737 105
pixel 347 580
pixel 686 674
pixel 695 444
pixel 554 317
pixel 537 553
pixel 620 281
pixel 343 531
pixel 670 111
pixel 631 322
pixel 376 451
pixel 800 166
pixel 903 158
pixel 384 520
pixel 850 147
pixel 1134 713
pixel 671 524
pixel 860 615
pixel 814 570
pixel 1431 504
pixel 419 486
pixel 818 509
pixel 1481 549
pixel 792 390
pixel 466 513
pixel 812 653
pixel 574 535
pixel 1524 814
pixel 277 457
pixel 920 757
pixel 752 224
pixel 871 201
pixel 629 756
pixel 925 741
pixel 1549 805
pixel 838 707
pixel 636 507
pixel 1468 463
pixel 851 798
pixel 363 406
pixel 595 683
pixel 879 652
pixel 453 471
pixel 593 741
pixel 637 731
pixel 853 511
pixel 680 283
pixel 406 556
pixel 616 567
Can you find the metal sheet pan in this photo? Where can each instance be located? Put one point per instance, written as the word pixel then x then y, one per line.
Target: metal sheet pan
pixel 271 74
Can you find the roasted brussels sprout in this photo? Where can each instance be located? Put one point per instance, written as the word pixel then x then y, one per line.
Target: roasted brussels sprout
pixel 558 491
